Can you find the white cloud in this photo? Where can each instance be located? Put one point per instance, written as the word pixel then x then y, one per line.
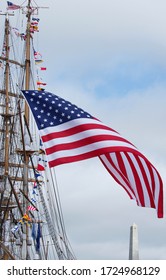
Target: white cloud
pixel 87 34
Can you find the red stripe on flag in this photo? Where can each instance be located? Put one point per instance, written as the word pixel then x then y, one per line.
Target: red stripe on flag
pixel 146 181
pixel 117 174
pixel 74 130
pixel 83 156
pixel 83 142
pixel 137 181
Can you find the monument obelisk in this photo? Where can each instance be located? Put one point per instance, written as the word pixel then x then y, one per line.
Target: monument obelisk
pixel 133 247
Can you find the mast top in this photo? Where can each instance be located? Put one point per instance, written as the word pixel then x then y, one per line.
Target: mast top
pixel 28 9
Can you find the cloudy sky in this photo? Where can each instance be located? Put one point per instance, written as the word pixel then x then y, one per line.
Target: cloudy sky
pixel 109 57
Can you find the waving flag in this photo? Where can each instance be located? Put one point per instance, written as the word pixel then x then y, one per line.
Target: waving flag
pixel 38 61
pixel 31 208
pixel 40 166
pixel 36 19
pixel 12 6
pixel 38 238
pixel 70 134
pixel 41 83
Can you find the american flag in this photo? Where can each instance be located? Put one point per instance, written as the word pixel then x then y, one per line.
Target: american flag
pixel 12 6
pixel 70 134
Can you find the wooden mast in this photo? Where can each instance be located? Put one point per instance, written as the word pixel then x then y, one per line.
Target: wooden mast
pixel 6 206
pixel 27 60
pixel 27 153
pixel 7 116
pixel 25 254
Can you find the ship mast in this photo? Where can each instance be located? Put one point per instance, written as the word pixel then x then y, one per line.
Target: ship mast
pixel 26 153
pixel 7 116
pixel 27 61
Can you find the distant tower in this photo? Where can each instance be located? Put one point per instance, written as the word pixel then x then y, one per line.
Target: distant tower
pixel 133 248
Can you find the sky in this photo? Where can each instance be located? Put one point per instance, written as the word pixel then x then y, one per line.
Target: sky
pixel 109 58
